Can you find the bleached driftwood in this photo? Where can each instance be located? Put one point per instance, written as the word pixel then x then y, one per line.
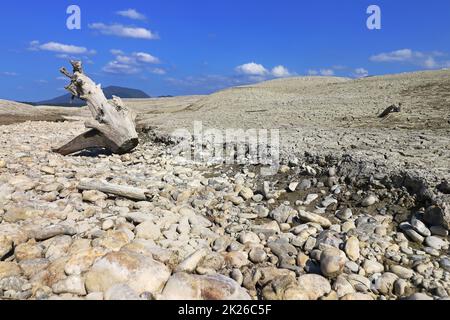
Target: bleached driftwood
pixel 113 126
pixel 128 192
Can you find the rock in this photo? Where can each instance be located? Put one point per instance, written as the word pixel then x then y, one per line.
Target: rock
pixel 411 233
pixel 246 193
pixel 148 230
pixel 72 284
pixel 183 286
pixel 81 260
pixel 95 296
pixel 445 264
pixel 53 231
pixel 268 229
pixel 400 287
pixel 352 248
pixel 402 272
pixel 315 218
pixel 420 296
pixel 257 255
pixel 138 271
pixel 439 231
pixel 191 263
pixel 385 283
pixel 438 216
pixel 27 251
pixel 305 184
pixel 94 196
pixel 344 214
pixel 6 246
pixel 357 296
pixel 249 237
pixel 371 267
pixel 33 267
pixel 237 276
pixel 236 259
pixel 293 186
pixel 342 286
pixel 2 164
pixel 121 292
pixel 9 269
pixel 107 224
pixel 310 198
pixel 420 227
pixel 328 202
pixel 332 262
pixel 369 201
pixel 436 243
pixel 283 214
pixel 283 287
pixel 313 286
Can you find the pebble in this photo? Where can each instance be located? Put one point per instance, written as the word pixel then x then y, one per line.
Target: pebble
pixel 313 286
pixel 420 227
pixel 369 201
pixel 371 267
pixel 312 217
pixel 352 248
pixel 257 255
pixel 332 262
pixel 344 214
pixel 436 243
pixel 402 272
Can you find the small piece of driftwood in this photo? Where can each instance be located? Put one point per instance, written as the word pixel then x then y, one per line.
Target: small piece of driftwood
pixel 390 110
pixel 113 126
pixel 128 192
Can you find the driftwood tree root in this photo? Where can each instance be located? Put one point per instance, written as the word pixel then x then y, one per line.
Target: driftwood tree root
pixel 113 126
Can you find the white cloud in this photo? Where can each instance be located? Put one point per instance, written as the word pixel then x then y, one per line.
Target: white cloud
pixel 327 72
pixel 116 52
pixel 130 64
pixel 423 59
pixel 132 14
pixel 159 71
pixel 361 73
pixel 9 74
pixel 115 67
pixel 252 68
pixel 313 72
pixel 398 55
pixel 123 31
pixel 60 47
pixel 280 72
pixel 145 57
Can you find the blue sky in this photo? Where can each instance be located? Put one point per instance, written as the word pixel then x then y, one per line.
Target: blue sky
pixel 181 47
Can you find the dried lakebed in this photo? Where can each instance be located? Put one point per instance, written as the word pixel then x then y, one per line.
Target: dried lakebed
pixel 313 231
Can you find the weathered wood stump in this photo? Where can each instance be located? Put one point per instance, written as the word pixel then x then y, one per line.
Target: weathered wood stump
pixel 113 127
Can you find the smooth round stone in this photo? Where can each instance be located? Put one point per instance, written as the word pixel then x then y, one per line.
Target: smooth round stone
pixel 420 227
pixel 332 262
pixel 369 201
pixel 257 255
pixel 345 214
pixel 372 267
pixel 107 224
pixel 402 272
pixel 435 243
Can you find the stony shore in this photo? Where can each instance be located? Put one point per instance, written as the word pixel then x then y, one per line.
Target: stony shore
pixel 316 230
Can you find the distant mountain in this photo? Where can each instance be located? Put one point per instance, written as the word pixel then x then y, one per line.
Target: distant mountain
pixel 124 93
